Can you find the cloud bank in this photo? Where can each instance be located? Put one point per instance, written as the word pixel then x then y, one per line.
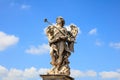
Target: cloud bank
pixel 93 31
pixel 110 75
pixel 40 49
pixel 115 45
pixel 20 6
pixel 24 6
pixel 17 74
pixel 33 73
pixel 7 40
pixel 78 73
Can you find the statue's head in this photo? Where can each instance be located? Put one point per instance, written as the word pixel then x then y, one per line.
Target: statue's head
pixel 60 20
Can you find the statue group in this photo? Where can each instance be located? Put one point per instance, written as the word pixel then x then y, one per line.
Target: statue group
pixel 61 42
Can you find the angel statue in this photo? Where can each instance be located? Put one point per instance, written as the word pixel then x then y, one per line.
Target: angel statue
pixel 61 42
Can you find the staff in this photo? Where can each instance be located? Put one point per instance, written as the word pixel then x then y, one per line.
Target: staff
pixel 45 20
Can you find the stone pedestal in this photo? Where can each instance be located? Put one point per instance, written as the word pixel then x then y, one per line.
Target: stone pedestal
pixel 56 77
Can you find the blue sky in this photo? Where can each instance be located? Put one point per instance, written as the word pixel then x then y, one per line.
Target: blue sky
pixel 24 50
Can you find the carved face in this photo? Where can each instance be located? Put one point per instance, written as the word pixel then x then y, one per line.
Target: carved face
pixel 60 20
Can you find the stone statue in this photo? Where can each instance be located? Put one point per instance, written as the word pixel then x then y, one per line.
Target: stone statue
pixel 61 42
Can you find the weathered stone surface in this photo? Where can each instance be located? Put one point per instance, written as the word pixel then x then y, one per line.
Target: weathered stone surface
pixel 61 42
pixel 56 77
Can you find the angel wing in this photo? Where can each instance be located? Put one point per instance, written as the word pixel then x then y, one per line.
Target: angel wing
pixel 71 37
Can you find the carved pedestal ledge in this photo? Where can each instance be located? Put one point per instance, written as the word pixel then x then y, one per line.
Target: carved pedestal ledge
pixel 56 77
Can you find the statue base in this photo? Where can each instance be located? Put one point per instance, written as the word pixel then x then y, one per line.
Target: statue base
pixel 56 77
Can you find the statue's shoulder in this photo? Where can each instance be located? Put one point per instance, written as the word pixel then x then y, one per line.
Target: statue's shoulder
pixel 64 29
pixel 49 30
pixel 50 27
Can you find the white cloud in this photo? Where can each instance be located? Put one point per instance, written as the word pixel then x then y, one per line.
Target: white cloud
pixel 98 43
pixel 33 74
pixel 115 45
pixel 20 6
pixel 25 7
pixel 91 73
pixel 41 49
pixel 110 75
pixel 78 73
pixel 43 70
pixel 92 31
pixel 3 71
pixel 13 74
pixel 17 74
pixel 30 72
pixel 118 70
pixel 7 40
